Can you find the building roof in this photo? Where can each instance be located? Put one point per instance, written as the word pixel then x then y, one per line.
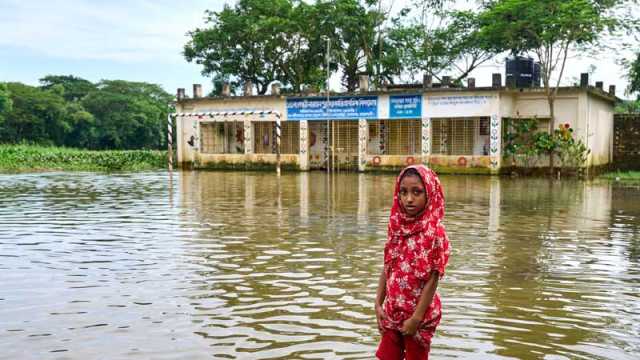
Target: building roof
pixel 413 88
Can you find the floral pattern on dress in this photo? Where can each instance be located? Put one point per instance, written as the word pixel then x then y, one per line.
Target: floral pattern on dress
pixel 415 247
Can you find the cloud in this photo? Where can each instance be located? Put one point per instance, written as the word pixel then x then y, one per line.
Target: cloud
pixel 123 31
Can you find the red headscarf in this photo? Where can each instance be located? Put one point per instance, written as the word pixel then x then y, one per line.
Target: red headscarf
pixel 428 224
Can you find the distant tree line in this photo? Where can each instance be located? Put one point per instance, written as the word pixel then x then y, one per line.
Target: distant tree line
pixel 73 112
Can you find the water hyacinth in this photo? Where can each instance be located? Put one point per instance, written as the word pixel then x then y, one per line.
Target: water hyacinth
pixel 14 158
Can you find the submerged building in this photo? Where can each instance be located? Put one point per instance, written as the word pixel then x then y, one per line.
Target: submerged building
pixel 456 130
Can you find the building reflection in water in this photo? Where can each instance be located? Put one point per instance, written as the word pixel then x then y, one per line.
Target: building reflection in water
pixel 534 265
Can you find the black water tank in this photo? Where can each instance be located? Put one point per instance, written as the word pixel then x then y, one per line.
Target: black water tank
pixel 522 72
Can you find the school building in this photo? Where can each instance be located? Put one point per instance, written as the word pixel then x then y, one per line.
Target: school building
pixel 455 130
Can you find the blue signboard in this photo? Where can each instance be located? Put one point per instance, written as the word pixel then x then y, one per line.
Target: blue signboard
pixel 340 107
pixel 405 106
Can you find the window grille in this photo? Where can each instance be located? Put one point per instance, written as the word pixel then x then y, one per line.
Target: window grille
pixel 395 137
pixel 290 137
pixel 460 136
pixel 346 142
pixel 222 137
pixel 265 134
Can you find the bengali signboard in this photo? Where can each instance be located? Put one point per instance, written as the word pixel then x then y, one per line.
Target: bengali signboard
pixel 340 107
pixel 405 106
pixel 459 105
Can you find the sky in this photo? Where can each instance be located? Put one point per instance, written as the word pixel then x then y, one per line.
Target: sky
pixel 142 40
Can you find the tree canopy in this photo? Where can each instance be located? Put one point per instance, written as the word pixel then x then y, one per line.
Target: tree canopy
pixel 550 29
pixel 70 111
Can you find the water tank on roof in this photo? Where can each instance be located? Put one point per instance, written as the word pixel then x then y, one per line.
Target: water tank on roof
pixel 522 72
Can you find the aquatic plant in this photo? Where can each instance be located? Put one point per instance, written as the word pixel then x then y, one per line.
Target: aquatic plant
pixel 25 157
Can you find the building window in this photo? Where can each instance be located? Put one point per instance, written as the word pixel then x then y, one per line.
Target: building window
pixel 395 137
pixel 222 137
pixel 265 134
pixel 460 136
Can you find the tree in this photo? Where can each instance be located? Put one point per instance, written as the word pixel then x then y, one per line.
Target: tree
pixel 634 76
pixel 244 42
pixel 37 115
pixel 128 115
pixel 75 88
pixel 5 103
pixel 454 46
pixel 550 29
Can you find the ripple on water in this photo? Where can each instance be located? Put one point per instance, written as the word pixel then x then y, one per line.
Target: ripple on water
pixel 242 265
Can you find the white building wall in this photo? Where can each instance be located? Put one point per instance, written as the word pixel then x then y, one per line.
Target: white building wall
pixel 600 131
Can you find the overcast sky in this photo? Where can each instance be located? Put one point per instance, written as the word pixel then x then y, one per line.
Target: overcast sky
pixel 142 40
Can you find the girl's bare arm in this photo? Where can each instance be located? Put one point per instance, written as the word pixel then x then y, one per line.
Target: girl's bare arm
pixel 381 293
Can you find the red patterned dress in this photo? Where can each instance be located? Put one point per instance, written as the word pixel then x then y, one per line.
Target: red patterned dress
pixel 415 247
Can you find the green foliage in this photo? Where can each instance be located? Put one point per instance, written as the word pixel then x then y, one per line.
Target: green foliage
pixel 550 29
pixel 37 115
pixel 247 42
pixel 634 75
pixel 523 141
pixel 114 114
pixel 128 115
pixel 286 41
pixel 5 103
pixel 628 107
pixel 33 157
pixel 572 153
pixel 457 47
pixel 74 88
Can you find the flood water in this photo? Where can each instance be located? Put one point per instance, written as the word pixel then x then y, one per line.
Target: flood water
pixel 222 265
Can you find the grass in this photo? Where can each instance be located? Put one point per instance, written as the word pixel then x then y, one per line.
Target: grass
pixel 623 175
pixel 28 158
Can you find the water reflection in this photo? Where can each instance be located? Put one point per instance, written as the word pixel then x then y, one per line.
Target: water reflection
pixel 245 265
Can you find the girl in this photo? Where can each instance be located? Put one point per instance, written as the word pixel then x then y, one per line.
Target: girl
pixel 415 255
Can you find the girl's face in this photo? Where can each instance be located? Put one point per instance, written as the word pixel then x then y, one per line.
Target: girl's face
pixel 413 196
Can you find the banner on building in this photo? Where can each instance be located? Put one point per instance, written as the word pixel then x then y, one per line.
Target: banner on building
pixel 447 106
pixel 405 106
pixel 339 108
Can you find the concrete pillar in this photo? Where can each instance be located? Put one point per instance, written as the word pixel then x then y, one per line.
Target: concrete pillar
pixel 275 88
pixel 471 83
pixel 495 145
pixel 248 88
pixel 248 137
pixel 226 89
pixel 446 81
pixel 496 80
pixel 197 91
pixel 180 94
pixel 304 145
pixel 363 134
pixel 363 82
pixel 584 80
pixel 427 81
pixel 426 140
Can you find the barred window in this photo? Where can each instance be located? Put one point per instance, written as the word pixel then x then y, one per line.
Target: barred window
pixel 459 136
pixel 264 137
pixel 222 137
pixel 395 137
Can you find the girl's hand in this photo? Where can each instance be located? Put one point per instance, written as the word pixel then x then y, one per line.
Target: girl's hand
pixel 410 326
pixel 379 317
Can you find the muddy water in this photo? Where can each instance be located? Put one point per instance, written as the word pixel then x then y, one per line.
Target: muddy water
pixel 235 265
